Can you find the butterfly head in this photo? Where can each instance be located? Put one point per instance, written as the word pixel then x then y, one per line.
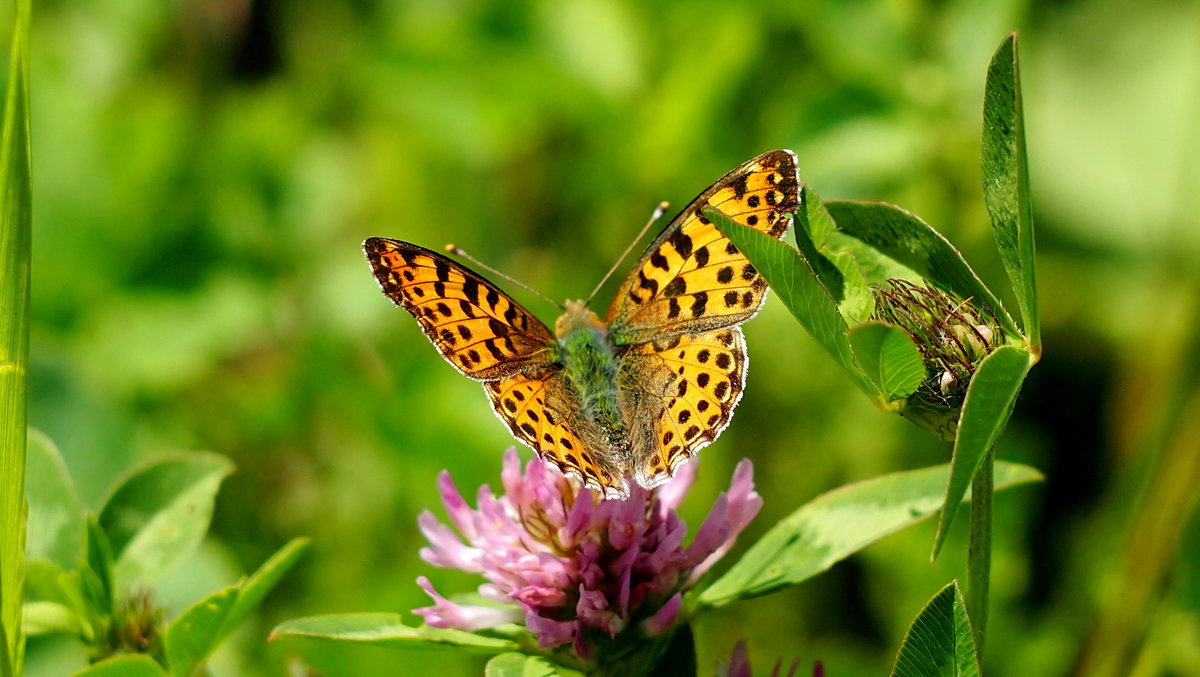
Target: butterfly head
pixel 577 316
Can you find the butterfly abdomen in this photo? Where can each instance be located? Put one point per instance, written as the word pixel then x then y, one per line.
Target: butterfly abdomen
pixel 589 362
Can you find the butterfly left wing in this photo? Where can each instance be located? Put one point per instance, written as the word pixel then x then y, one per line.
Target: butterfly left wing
pixel 692 278
pixel 478 328
pixel 685 388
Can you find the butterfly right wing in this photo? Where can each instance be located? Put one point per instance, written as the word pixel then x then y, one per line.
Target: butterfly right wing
pixel 541 411
pixel 684 391
pixel 478 328
pixel 692 278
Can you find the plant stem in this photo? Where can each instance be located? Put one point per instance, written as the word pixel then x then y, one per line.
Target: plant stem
pixel 979 549
pixel 15 239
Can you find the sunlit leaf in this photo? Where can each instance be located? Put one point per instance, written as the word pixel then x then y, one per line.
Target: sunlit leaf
pixel 46 581
pixel 985 412
pixel 383 629
pixel 125 665
pixel 837 524
pixel 198 631
pixel 909 240
pixel 44 618
pixel 1006 181
pixel 889 358
pixel 56 521
pixel 513 664
pixel 96 574
pixel 940 641
pixel 158 513
pixel 256 586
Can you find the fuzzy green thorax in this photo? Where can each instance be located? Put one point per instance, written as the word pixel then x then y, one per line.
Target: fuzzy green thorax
pixel 590 364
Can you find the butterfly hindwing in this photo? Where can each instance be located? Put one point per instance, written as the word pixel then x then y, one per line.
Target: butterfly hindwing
pixel 541 411
pixel 696 381
pixel 692 278
pixel 478 328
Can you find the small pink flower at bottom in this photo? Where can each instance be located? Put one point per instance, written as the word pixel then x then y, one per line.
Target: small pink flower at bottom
pixel 579 567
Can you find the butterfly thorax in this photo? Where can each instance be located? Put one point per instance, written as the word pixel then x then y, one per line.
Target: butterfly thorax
pixel 589 362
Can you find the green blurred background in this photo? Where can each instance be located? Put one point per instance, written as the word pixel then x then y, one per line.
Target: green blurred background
pixel 204 171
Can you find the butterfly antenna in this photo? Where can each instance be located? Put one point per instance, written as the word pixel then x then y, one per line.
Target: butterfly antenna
pixel 658 212
pixel 458 251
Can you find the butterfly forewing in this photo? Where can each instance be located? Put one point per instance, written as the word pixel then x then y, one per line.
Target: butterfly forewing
pixel 542 412
pixel 692 278
pixel 478 328
pixel 696 381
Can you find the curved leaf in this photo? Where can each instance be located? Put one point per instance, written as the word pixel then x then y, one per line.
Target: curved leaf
pixel 197 633
pixel 44 618
pixel 158 513
pixel 125 665
pixel 193 636
pixel 384 629
pixel 56 521
pixel 889 358
pixel 904 237
pixel 513 664
pixel 256 586
pixel 837 524
pixel 985 412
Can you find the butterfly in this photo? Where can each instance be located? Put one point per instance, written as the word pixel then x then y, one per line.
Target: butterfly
pixel 641 391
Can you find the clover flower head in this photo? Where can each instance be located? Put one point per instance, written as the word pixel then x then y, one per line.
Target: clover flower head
pixel 573 566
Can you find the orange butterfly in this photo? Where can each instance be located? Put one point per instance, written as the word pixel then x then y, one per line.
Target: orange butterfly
pixel 643 390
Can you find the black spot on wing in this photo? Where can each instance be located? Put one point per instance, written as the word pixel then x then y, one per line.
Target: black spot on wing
pixel 676 287
pixel 471 290
pixel 682 243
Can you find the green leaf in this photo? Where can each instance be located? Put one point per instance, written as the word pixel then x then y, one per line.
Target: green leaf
pixel 909 240
pixel 839 523
pixel 1006 181
pixel 814 218
pixel 192 638
pixel 256 586
pixel 857 305
pixel 889 358
pixel 125 665
pixel 985 412
pixel 939 642
pixel 159 512
pixel 56 521
pixel 797 286
pixel 195 634
pixel 16 200
pixel 513 664
pixel 96 573
pixel 383 629
pixel 47 582
pixel 44 618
